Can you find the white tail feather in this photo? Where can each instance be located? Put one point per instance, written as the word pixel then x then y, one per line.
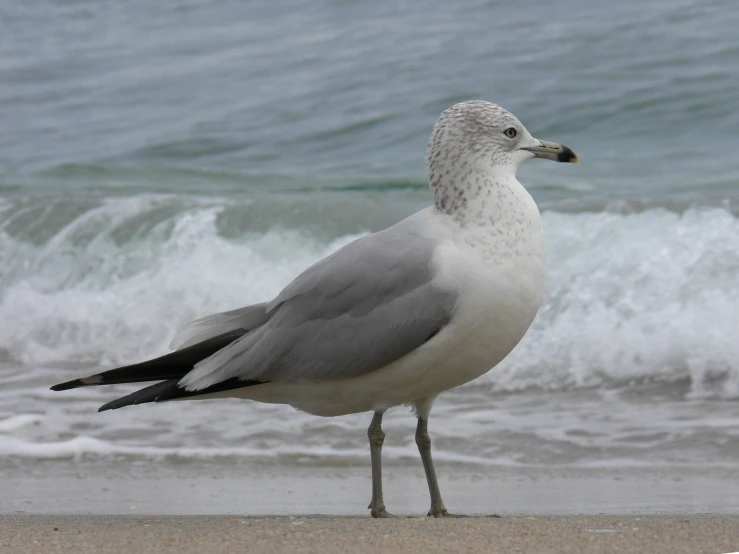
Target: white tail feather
pixel 211 326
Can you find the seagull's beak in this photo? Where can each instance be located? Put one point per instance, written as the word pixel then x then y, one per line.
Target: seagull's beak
pixel 552 151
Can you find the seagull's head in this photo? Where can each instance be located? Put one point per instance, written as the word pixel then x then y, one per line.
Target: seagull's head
pixel 483 132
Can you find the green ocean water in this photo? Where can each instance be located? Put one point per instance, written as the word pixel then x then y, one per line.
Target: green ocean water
pixel 242 98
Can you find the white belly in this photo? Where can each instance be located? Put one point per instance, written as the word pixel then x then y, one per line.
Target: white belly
pixel 499 278
pixel 493 313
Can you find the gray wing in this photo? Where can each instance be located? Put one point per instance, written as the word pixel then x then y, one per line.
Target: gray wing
pixel 351 313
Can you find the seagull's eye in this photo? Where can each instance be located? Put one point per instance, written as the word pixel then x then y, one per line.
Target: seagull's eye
pixel 510 132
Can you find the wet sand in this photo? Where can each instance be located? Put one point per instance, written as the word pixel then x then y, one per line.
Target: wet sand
pixel 131 488
pixel 225 508
pixel 214 534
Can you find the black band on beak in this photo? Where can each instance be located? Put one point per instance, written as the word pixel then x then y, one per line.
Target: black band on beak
pixel 567 155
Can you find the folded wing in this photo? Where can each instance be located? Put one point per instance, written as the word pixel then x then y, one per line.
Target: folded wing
pixel 356 311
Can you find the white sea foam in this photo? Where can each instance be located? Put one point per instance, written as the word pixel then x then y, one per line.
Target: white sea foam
pixel 632 298
pixel 89 296
pixel 15 423
pixel 637 297
pixel 579 428
pixel 642 296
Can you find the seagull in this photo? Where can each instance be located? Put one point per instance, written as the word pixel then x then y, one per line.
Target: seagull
pixel 395 317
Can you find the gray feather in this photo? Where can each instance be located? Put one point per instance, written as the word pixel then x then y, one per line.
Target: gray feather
pixel 205 328
pixel 365 306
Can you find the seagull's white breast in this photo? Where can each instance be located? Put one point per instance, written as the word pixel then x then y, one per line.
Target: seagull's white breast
pixel 497 271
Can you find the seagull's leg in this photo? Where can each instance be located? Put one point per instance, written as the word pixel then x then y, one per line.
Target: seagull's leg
pixel 424 447
pixel 376 438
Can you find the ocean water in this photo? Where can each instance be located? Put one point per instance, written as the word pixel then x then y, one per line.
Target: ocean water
pixel 162 161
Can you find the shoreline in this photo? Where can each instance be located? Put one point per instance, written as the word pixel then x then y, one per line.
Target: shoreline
pixel 215 534
pixel 118 487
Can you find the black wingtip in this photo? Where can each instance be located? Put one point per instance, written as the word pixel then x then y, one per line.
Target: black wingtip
pixel 68 385
pixel 115 404
pixel 152 393
pixel 170 366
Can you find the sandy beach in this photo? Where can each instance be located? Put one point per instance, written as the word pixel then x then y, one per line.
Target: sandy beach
pixel 213 534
